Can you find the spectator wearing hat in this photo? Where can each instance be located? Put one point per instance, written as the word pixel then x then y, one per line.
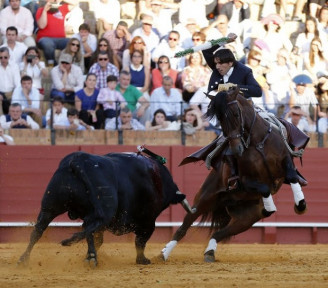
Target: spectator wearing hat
pixel 186 30
pixel 300 119
pixel 51 33
pixel 147 33
pixel 67 79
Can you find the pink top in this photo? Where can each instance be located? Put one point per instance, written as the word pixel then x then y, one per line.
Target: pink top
pixel 108 97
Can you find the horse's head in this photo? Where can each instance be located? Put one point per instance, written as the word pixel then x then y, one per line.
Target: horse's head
pixel 227 108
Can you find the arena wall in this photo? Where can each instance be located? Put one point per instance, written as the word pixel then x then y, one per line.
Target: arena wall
pixel 26 170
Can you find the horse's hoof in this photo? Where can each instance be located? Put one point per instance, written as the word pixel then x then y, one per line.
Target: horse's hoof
pixel 22 262
pixel 266 213
pixel 209 256
pixel 143 261
pixel 300 208
pixel 66 243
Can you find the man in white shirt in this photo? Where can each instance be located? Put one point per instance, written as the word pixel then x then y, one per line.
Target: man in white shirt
pixel 167 98
pixel 59 113
pixel 16 49
pixel 16 119
pixel 21 18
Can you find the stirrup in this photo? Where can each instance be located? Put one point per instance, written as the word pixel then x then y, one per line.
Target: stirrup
pixel 233 182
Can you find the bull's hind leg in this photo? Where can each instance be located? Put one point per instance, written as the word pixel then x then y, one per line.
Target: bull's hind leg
pixel 142 236
pixel 94 243
pixel 42 223
pixel 242 218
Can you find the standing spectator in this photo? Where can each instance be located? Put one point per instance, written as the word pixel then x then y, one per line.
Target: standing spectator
pixel 167 98
pixel 137 103
pixel 164 69
pixel 73 48
pixel 109 98
pixel 59 113
pixel 124 122
pixel 107 13
pixel 104 47
pixel 140 75
pixel 119 40
pixel 33 67
pixel 86 103
pixel 170 47
pixel 10 79
pixel 51 23
pixel 15 119
pixel 147 33
pixel 29 99
pixel 5 139
pixel 137 43
pixel 19 17
pixel 88 43
pixel 67 79
pixel 103 68
pixel 194 76
pixel 16 49
pixel 195 9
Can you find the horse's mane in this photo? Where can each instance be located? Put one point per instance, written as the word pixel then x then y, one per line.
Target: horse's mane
pixel 217 106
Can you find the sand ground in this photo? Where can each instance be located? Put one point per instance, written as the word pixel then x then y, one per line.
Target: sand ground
pixel 237 265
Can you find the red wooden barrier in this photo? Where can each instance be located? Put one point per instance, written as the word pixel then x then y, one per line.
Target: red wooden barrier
pixel 26 170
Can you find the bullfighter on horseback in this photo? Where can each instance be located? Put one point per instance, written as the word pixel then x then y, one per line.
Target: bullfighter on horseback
pixel 227 73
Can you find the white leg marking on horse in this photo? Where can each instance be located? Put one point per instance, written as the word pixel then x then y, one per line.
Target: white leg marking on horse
pixel 168 249
pixel 211 245
pixel 269 204
pixel 297 192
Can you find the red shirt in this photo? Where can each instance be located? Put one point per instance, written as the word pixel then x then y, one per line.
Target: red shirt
pixel 56 23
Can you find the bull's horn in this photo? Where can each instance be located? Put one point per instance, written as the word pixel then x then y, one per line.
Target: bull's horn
pixel 186 206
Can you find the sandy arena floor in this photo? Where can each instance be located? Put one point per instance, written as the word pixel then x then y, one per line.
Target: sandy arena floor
pixel 237 265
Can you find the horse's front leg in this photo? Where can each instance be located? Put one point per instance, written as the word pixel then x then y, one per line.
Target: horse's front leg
pixel 242 218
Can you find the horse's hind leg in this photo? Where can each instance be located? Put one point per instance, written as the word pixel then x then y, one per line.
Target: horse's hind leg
pixel 242 218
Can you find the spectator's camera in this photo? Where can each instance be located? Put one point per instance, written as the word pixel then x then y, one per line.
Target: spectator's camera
pixel 29 58
pixel 54 7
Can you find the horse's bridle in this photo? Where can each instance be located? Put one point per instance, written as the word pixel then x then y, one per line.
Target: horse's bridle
pixel 241 134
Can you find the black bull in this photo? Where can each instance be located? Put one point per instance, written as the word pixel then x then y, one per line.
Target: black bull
pixel 119 192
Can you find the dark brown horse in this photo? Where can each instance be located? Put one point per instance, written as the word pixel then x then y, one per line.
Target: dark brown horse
pixel 264 164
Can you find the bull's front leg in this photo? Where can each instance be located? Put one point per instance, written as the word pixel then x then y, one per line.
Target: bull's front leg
pixel 91 258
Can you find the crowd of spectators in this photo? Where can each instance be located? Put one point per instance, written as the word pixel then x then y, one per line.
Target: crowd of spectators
pixel 123 74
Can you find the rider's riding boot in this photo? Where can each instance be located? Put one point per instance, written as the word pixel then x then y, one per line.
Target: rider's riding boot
pixel 233 179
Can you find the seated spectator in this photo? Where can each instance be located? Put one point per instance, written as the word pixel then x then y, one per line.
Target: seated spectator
pixel 73 20
pixel 5 139
pixel 167 98
pixel 104 47
pixel 323 20
pixel 164 68
pixel 86 103
pixel 140 75
pixel 10 79
pixel 169 47
pixel 322 90
pixel 137 43
pixel 15 119
pixel 119 40
pixel 137 103
pixel 29 98
pixel 323 123
pixel 147 33
pixel 300 119
pixel 186 30
pixel 59 113
pixel 107 13
pixel 103 68
pixel 195 9
pixel 16 49
pixel 21 18
pixel 124 122
pixel 159 122
pixel 73 122
pixel 51 34
pixel 88 43
pixel 111 99
pixel 192 121
pixel 34 67
pixel 73 48
pixel 67 79
pixel 194 76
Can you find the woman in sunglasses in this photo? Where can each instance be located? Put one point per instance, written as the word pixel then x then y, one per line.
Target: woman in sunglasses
pixel 73 48
pixel 104 46
pixel 137 43
pixel 164 69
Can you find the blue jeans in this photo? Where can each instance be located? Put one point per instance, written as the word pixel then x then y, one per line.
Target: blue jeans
pixel 49 45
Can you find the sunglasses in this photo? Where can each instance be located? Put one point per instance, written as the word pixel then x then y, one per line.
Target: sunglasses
pixel 163 61
pixel 3 57
pixel 137 56
pixel 102 59
pixel 196 39
pixel 63 62
pixel 75 44
pixel 102 45
pixel 173 39
pixel 137 42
